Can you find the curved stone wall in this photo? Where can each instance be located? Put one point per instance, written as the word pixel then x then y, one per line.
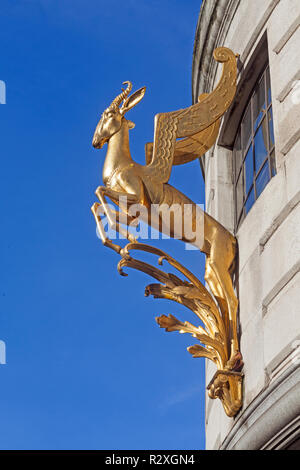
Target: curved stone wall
pixel 269 237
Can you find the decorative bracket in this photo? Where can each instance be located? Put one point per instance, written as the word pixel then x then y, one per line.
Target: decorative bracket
pixel 214 343
pixel 227 386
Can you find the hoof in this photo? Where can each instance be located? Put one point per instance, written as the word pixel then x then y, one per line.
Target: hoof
pixel 94 207
pixel 125 254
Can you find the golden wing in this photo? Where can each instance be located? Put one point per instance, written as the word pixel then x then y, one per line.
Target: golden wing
pixel 201 115
pixel 191 122
pixel 193 147
pixel 162 150
pixel 190 148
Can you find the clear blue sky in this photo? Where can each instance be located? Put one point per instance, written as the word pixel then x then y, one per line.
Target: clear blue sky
pixel 87 366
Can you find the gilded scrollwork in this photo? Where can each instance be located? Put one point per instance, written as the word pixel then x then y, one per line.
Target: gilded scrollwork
pixel 210 333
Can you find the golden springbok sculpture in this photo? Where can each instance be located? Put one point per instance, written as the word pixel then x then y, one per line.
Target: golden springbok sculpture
pixel 148 184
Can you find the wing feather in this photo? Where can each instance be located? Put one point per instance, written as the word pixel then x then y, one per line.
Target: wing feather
pixel 190 148
pixel 215 104
pixel 165 130
pixel 191 123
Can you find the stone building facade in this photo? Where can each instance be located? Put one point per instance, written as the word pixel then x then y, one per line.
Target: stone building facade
pixel 252 179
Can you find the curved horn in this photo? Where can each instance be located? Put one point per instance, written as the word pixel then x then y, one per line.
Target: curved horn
pixel 118 100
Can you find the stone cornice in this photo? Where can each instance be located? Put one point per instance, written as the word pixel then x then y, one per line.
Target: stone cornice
pixel 214 19
pixel 271 411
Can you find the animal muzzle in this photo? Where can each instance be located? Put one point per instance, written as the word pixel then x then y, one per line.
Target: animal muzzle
pixel 98 143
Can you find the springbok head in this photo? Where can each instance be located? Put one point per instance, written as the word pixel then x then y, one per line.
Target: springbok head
pixel 111 120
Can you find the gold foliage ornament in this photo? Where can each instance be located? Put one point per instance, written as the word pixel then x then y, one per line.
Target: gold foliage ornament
pixel 215 343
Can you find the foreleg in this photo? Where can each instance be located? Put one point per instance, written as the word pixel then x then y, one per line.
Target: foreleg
pixel 101 192
pixel 120 217
pixel 105 240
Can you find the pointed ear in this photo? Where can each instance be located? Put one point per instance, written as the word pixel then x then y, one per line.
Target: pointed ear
pixel 130 124
pixel 132 100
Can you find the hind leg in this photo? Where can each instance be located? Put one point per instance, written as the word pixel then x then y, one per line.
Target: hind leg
pixel 214 285
pixel 220 260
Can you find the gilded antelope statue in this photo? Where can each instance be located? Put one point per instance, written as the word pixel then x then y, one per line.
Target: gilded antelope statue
pixel 148 185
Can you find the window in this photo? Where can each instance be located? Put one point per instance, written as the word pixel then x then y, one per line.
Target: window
pixel 254 149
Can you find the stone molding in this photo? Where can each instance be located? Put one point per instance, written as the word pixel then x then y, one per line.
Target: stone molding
pixel 268 414
pixel 213 23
